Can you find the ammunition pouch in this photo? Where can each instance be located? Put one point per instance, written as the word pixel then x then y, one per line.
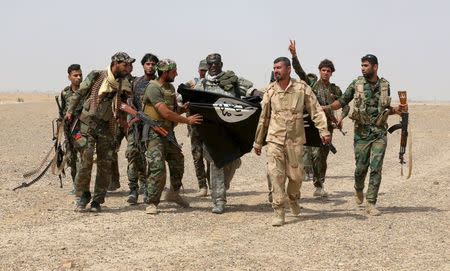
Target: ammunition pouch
pixel 381 121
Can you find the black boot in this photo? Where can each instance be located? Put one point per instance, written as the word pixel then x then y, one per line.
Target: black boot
pixel 133 197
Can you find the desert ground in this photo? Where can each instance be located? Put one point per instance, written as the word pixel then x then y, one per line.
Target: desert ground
pixel 40 231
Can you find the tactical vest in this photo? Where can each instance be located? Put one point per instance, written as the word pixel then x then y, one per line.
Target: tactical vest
pixel 97 107
pixel 360 104
pixel 169 100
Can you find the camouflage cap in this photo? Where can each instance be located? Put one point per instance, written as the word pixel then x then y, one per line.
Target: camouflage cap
pixel 213 58
pixel 122 57
pixel 202 65
pixel 165 65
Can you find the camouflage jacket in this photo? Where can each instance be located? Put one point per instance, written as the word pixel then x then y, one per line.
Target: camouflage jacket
pixel 372 108
pixel 325 93
pixel 66 95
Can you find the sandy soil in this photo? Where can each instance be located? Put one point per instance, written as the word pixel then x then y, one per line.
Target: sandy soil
pixel 40 231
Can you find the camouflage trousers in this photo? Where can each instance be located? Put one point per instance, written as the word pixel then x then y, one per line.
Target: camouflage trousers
pixel 99 140
pixel 369 153
pixel 115 174
pixel 160 150
pixel 308 161
pixel 72 160
pixel 197 156
pixel 319 156
pixel 136 162
pixel 220 178
pixel 284 161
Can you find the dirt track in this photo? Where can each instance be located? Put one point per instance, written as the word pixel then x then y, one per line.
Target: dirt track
pixel 40 231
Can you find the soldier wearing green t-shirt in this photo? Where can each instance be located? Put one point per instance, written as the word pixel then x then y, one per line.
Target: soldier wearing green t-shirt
pixel 160 105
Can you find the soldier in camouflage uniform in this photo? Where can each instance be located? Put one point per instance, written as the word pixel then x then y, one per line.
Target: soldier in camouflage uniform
pixel 281 125
pixel 326 93
pixel 197 142
pixel 100 93
pixel 371 96
pixel 225 83
pixel 135 152
pixel 160 105
pixel 121 133
pixel 307 154
pixel 75 76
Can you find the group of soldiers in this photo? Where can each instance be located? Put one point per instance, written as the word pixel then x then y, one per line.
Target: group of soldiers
pixel 92 107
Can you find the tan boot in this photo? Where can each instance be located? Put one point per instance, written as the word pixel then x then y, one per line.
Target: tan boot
pixel 278 219
pixel 151 209
pixel 202 192
pixel 372 210
pixel 295 208
pixel 320 192
pixel 359 197
pixel 174 196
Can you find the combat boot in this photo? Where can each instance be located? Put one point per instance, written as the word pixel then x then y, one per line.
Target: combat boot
pixel 278 219
pixel 81 202
pixel 151 209
pixel 359 197
pixel 174 196
pixel 95 207
pixel 219 207
pixel 295 208
pixel 133 197
pixel 372 210
pixel 320 192
pixel 202 192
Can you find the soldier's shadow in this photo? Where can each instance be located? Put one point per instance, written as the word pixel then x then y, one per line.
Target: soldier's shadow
pixel 340 177
pixel 244 193
pixel 115 194
pixel 410 209
pixel 335 201
pixel 310 214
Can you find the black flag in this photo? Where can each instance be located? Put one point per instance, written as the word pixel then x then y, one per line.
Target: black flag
pixel 229 123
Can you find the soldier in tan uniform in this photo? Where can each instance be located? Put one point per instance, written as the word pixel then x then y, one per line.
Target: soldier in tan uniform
pixel 282 120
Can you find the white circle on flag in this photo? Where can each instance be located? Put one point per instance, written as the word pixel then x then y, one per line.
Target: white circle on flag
pixel 230 110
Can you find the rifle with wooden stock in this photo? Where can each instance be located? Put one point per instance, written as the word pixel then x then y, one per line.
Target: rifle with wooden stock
pixel 405 132
pixel 58 161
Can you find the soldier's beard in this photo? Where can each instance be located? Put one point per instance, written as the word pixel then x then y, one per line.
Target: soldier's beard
pixel 368 75
pixel 277 77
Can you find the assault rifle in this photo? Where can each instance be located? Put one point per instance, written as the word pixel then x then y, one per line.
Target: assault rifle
pixel 60 152
pixel 57 163
pixel 139 115
pixel 331 116
pixel 308 123
pixel 403 125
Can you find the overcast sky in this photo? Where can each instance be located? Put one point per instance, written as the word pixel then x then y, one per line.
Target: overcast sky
pixel 411 39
